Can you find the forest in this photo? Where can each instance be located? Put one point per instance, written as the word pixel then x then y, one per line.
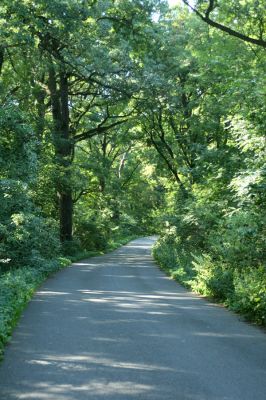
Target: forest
pixel 123 119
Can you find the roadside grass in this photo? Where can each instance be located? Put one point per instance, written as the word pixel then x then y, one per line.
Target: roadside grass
pixel 18 286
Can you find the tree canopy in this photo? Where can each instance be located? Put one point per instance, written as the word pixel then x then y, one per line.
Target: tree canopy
pixel 122 118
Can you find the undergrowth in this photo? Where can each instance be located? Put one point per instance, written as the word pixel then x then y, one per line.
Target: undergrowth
pixel 241 289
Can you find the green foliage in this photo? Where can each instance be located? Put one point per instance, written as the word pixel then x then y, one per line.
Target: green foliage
pixel 241 290
pixel 17 156
pixel 26 237
pixel 239 239
pixel 214 241
pixel 212 278
pixel 93 234
pixel 173 258
pixel 249 296
pixel 218 250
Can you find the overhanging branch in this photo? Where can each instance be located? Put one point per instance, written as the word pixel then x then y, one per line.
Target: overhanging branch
pixel 206 18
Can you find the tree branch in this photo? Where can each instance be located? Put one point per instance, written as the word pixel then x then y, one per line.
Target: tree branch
pixel 78 196
pixel 206 18
pixel 168 163
pixel 95 131
pixel 130 176
pixel 210 8
pixel 181 145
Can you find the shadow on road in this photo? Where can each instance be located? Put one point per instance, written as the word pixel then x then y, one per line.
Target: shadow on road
pixel 115 328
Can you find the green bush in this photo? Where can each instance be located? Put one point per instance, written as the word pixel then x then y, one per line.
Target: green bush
pixel 91 234
pixel 249 296
pixel 241 289
pixel 165 251
pixel 128 225
pixel 170 255
pixel 239 239
pixel 212 278
pixel 25 238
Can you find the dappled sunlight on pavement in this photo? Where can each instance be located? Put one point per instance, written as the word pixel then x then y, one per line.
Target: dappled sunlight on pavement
pixel 115 327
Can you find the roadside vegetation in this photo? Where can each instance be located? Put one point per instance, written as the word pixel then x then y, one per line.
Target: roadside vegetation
pixel 121 119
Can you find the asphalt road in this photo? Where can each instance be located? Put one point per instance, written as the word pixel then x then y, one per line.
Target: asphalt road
pixel 115 327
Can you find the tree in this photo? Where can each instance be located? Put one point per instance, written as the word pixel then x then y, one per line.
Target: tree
pixel 85 71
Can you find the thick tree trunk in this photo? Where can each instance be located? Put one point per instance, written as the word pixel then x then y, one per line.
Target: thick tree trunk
pixel 63 150
pixel 2 51
pixel 66 215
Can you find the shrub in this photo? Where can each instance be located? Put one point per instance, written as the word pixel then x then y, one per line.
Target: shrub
pixel 27 239
pixel 239 239
pixel 212 278
pixel 249 296
pixel 91 234
pixel 170 255
pixel 242 289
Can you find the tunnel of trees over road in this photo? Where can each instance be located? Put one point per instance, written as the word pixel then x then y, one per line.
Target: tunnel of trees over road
pixel 124 118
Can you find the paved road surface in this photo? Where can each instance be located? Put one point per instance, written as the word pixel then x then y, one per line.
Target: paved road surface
pixel 115 328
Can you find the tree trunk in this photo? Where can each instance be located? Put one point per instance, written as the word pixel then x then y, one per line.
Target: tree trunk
pixel 41 108
pixel 66 215
pixel 2 51
pixel 63 150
